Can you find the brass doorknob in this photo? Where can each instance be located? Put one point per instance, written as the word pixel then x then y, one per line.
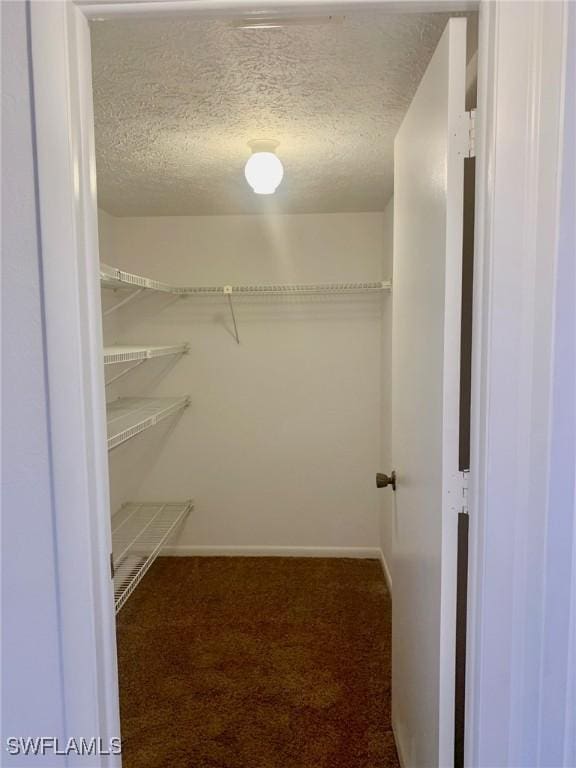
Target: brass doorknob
pixel 383 480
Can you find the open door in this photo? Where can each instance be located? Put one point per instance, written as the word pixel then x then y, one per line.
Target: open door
pixel 428 216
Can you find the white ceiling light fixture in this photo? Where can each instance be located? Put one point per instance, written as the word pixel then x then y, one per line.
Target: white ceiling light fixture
pixel 263 169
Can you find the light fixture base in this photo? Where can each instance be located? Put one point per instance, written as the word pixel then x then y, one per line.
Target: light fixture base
pixel 263 145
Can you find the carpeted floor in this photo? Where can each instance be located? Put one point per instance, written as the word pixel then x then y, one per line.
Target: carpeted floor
pixel 257 663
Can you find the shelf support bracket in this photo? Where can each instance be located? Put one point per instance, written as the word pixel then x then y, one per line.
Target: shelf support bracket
pixel 124 372
pixel 228 293
pixel 124 301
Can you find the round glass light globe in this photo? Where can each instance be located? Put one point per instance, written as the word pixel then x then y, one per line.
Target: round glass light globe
pixel 264 172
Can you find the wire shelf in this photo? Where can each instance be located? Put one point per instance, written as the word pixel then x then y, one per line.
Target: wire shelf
pixel 117 278
pixel 139 531
pixel 111 277
pixel 287 289
pixel 128 416
pixel 121 353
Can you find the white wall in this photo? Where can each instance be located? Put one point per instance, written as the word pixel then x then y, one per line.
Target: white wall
pixel 386 499
pixel 106 232
pixel 282 441
pixel 31 663
pixel 106 237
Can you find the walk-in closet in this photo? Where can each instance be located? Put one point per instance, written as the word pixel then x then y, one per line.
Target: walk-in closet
pixel 247 176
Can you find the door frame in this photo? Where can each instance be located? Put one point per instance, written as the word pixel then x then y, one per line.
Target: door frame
pixel 522 478
pixel 522 63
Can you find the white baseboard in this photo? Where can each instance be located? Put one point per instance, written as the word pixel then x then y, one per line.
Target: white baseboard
pixel 185 550
pixel 387 574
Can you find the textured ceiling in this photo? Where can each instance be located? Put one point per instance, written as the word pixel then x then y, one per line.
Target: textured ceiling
pixel 176 102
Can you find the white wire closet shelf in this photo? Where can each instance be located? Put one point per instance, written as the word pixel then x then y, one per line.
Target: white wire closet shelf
pixel 126 353
pixel 129 416
pixel 111 277
pixel 139 531
pixel 287 289
pixel 116 278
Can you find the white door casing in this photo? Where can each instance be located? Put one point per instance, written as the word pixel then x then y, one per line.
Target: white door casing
pixel 64 128
pixel 428 208
pixel 523 453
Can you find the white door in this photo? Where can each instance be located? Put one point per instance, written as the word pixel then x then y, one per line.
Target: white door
pixel 428 198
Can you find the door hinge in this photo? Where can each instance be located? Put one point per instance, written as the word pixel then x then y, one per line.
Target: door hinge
pixel 471 133
pixel 112 570
pixel 465 476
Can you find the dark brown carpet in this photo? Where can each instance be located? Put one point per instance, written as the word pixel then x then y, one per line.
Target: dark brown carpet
pixel 257 663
